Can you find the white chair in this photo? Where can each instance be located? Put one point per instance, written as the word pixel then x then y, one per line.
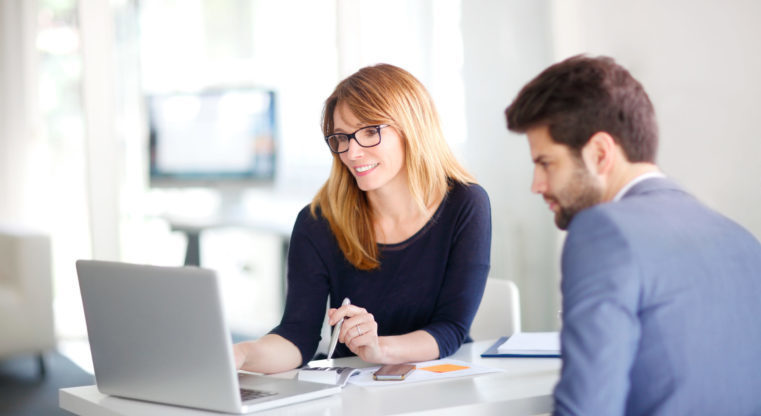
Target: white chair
pixel 26 294
pixel 500 312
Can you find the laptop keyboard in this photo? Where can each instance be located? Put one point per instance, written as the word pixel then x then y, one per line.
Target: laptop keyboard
pixel 246 394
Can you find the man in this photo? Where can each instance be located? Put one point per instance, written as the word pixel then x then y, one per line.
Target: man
pixel 661 295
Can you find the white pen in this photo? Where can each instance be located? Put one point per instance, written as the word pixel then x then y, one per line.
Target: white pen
pixel 336 331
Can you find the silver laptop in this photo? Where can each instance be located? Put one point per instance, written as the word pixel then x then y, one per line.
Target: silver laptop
pixel 159 334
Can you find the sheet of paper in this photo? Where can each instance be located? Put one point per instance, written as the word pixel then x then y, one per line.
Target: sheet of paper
pixel 531 343
pixel 446 369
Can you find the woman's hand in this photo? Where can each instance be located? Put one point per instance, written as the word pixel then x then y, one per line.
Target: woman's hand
pixel 359 332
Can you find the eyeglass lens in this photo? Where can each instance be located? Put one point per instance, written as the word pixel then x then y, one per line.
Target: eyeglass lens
pixel 366 137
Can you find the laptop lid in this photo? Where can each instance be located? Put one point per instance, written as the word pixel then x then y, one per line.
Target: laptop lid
pixel 159 334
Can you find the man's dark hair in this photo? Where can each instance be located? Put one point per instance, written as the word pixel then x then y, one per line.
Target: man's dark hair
pixel 581 96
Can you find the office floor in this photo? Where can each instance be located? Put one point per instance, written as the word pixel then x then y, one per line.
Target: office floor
pixel 24 393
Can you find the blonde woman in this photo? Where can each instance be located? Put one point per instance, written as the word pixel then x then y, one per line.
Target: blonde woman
pixel 400 228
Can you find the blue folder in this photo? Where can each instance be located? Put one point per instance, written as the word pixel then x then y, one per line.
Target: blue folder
pixel 493 351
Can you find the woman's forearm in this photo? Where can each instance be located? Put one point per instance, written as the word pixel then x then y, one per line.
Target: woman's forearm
pixel 268 354
pixel 415 346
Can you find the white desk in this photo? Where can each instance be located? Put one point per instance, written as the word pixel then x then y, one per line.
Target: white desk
pixel 524 388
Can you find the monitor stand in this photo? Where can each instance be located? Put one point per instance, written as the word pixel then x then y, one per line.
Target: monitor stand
pixel 232 207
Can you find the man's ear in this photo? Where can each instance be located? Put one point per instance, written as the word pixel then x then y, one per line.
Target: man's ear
pixel 600 153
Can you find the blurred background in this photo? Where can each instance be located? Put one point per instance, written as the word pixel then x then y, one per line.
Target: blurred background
pixel 176 132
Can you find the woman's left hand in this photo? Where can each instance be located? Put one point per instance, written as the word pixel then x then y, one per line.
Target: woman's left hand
pixel 359 332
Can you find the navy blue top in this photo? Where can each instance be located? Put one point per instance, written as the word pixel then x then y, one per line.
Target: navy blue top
pixel 433 281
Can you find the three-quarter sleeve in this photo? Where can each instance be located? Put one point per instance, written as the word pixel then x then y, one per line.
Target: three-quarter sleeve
pixel 308 288
pixel 465 274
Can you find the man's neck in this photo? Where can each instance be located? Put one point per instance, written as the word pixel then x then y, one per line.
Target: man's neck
pixel 627 173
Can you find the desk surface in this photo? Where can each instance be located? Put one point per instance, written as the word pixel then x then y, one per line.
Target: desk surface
pixel 524 388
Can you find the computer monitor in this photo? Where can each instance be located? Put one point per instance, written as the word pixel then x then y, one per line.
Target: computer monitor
pixel 212 138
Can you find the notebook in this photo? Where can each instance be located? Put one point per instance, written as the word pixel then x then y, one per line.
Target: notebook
pixel 532 343
pixel 526 344
pixel 159 334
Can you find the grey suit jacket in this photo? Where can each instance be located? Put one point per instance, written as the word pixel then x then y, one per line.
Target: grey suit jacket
pixel 661 309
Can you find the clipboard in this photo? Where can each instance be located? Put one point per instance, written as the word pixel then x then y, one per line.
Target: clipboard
pixel 493 352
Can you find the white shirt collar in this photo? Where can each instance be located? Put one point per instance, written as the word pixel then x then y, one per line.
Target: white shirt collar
pixel 635 181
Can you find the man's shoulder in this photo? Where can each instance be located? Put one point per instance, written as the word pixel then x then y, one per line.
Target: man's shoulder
pixel 658 212
pixel 632 221
pixel 652 198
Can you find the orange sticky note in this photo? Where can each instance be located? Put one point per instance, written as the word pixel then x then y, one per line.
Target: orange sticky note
pixel 444 368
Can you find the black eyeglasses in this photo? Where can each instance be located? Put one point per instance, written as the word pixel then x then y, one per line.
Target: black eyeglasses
pixel 368 136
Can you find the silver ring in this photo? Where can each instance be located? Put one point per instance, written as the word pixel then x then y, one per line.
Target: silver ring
pixel 359 330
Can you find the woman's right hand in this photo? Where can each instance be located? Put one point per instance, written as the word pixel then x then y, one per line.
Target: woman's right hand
pixel 359 332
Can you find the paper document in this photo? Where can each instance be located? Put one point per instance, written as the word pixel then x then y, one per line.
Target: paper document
pixel 426 371
pixel 531 343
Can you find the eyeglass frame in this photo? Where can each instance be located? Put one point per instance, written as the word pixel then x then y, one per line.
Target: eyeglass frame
pixel 350 136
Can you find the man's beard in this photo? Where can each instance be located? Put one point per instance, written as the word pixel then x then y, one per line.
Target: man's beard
pixel 582 192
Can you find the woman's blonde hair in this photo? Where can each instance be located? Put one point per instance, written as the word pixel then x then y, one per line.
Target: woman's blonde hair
pixel 384 94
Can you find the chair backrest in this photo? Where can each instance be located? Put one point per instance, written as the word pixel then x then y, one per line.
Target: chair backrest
pixel 500 312
pixel 26 291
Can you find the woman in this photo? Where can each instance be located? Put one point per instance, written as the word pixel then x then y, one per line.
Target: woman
pixel 399 228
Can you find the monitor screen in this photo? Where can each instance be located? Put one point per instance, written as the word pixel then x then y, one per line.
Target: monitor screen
pixel 212 137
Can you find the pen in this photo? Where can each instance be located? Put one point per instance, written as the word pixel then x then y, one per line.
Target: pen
pixel 336 331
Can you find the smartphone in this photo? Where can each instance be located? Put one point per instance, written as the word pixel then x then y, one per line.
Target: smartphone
pixel 393 372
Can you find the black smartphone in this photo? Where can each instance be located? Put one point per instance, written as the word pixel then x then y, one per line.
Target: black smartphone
pixel 393 372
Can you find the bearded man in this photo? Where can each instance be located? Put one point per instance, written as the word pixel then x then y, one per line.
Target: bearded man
pixel 661 295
